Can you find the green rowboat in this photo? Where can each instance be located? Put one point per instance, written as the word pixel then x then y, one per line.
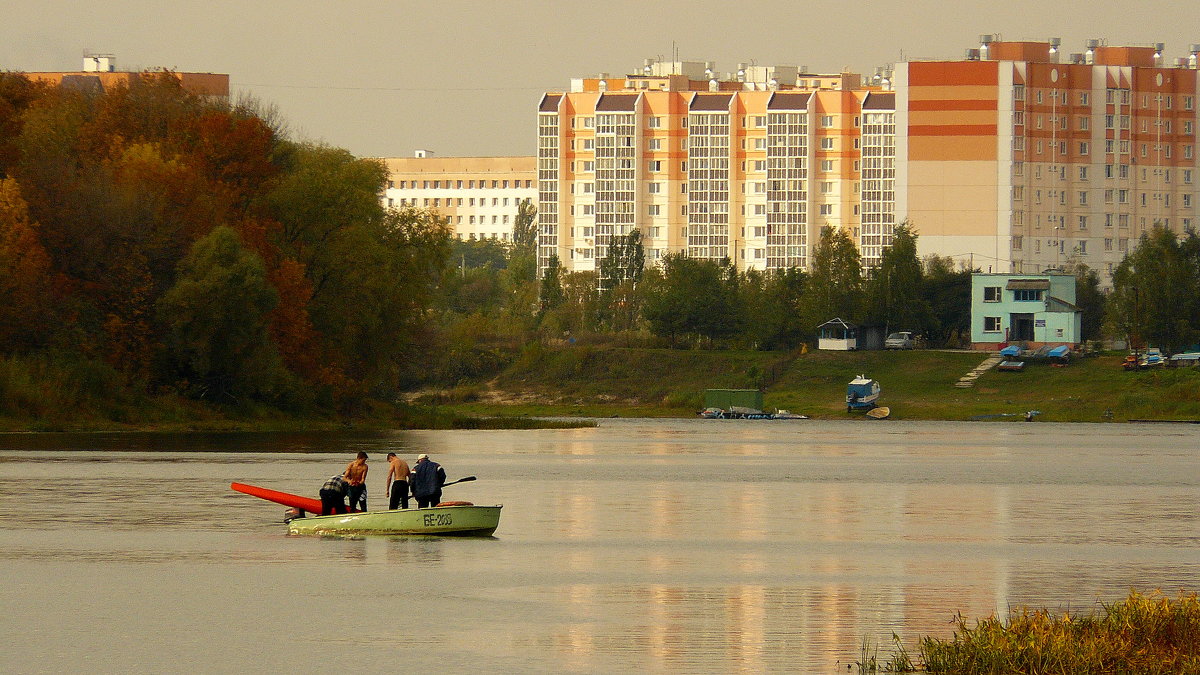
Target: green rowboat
pixel 463 521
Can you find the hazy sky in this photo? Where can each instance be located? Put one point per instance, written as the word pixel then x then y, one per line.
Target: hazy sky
pixel 464 78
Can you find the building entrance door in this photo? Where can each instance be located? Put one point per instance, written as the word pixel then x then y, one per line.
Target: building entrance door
pixel 1022 328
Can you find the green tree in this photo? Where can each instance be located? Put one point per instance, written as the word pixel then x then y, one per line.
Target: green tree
pixel 525 226
pixel 835 286
pixel 624 261
pixel 1156 291
pixel 690 297
pixel 550 294
pixel 771 308
pixel 215 320
pixel 895 298
pixel 947 288
pixel 1090 299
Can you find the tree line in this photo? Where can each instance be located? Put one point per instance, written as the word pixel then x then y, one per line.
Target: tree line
pixel 191 246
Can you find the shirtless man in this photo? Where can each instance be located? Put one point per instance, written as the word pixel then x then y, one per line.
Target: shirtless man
pixel 356 478
pixel 397 481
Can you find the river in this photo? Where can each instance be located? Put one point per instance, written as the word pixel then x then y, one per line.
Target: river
pixel 637 546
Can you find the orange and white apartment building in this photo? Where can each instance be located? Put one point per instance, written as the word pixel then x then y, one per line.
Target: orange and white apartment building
pixel 1013 159
pixel 748 166
pixel 477 196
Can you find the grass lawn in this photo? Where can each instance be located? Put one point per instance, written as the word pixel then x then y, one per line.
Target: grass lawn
pixel 919 384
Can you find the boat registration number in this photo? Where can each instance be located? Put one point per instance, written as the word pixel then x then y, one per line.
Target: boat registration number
pixel 436 519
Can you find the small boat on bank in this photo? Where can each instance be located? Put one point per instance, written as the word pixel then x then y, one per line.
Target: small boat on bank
pixel 862 393
pixel 880 413
pixel 445 519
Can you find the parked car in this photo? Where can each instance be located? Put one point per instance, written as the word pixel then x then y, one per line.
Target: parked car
pixel 899 340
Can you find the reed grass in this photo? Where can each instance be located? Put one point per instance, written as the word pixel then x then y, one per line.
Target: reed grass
pixel 1144 634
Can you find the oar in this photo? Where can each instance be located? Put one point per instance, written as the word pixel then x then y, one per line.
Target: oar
pixel 465 479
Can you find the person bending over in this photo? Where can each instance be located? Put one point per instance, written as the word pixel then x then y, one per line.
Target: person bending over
pixel 333 496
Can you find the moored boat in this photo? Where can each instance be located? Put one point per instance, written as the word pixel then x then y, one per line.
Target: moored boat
pixel 862 393
pixel 462 520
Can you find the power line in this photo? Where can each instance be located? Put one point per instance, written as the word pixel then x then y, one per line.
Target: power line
pixel 399 89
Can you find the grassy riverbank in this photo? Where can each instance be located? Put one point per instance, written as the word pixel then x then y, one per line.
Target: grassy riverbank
pixel 1144 634
pixel 917 385
pixel 608 381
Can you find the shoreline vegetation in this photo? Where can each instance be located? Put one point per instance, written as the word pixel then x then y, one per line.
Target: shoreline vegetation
pixel 1144 633
pixel 569 385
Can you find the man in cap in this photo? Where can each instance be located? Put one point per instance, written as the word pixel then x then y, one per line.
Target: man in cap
pixel 428 479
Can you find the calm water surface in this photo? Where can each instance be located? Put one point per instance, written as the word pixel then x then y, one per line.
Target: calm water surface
pixel 637 546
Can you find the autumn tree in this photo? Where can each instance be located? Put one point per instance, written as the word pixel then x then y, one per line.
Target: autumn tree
pixel 28 286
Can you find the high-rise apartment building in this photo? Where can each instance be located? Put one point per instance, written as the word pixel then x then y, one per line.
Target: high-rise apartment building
pixel 746 167
pixel 1014 159
pixel 1026 160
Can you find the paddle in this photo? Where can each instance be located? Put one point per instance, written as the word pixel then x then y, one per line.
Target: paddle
pixel 464 479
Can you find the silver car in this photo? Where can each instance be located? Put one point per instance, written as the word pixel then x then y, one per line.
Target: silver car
pixel 899 340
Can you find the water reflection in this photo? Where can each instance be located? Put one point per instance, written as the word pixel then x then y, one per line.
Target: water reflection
pixel 638 545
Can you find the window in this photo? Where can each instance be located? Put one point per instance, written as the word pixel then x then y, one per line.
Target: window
pixel 1083 147
pixel 655 165
pixel 827 120
pixel 655 144
pixel 1083 173
pixel 827 165
pixel 991 324
pixel 760 144
pixel 760 121
pixel 827 209
pixel 1016 243
pixel 760 165
pixel 653 210
pixel 826 187
pixel 654 122
pixel 826 143
pixel 1084 99
pixel 654 188
pixel 1108 244
pixel 1083 198
pixel 1083 222
pixel 1027 295
pixel 1082 247
pixel 991 294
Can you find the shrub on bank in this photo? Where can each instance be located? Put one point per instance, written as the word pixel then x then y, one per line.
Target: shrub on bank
pixel 1143 634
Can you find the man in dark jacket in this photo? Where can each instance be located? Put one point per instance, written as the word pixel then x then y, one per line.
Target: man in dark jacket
pixel 427 481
